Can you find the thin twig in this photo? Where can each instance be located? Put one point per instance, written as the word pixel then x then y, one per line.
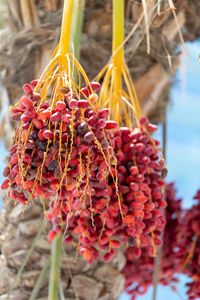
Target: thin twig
pixel 169 57
pixel 142 35
pixel 146 18
pixel 158 6
pixel 173 10
pixel 135 26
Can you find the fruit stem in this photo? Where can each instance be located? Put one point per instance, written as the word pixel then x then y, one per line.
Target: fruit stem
pixel 118 32
pixel 55 268
pixel 66 27
pixel 118 53
pixel 77 24
pixel 40 280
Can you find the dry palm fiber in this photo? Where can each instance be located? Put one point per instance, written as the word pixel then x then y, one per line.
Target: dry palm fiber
pixel 98 15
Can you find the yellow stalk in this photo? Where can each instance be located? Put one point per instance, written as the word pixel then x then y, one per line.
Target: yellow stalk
pixel 124 106
pixel 133 95
pixel 118 32
pixel 66 27
pixel 105 86
pixel 118 51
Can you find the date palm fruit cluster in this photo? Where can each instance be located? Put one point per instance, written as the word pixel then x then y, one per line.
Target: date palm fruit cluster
pixel 139 272
pixel 130 212
pixel 58 150
pixel 103 185
pixel 188 244
pixel 180 252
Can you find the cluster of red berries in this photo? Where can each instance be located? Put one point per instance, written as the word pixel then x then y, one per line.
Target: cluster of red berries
pixel 140 175
pixel 103 189
pixel 129 210
pixel 188 244
pixel 59 150
pixel 139 272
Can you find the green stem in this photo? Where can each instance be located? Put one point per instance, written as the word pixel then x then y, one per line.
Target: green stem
pixel 40 280
pixel 118 32
pixel 55 268
pixel 61 293
pixel 77 25
pixel 29 253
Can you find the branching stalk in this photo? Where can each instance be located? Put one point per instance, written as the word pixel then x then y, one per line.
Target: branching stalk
pixel 123 103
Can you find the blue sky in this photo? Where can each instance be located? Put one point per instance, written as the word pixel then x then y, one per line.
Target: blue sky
pixel 183 145
pixel 183 121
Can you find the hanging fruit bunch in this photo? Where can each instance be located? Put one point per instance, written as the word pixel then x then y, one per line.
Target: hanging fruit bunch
pixel 140 166
pixel 188 243
pixel 140 176
pixel 103 185
pixel 127 208
pixel 139 272
pixel 55 142
pixel 62 147
pixel 130 212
